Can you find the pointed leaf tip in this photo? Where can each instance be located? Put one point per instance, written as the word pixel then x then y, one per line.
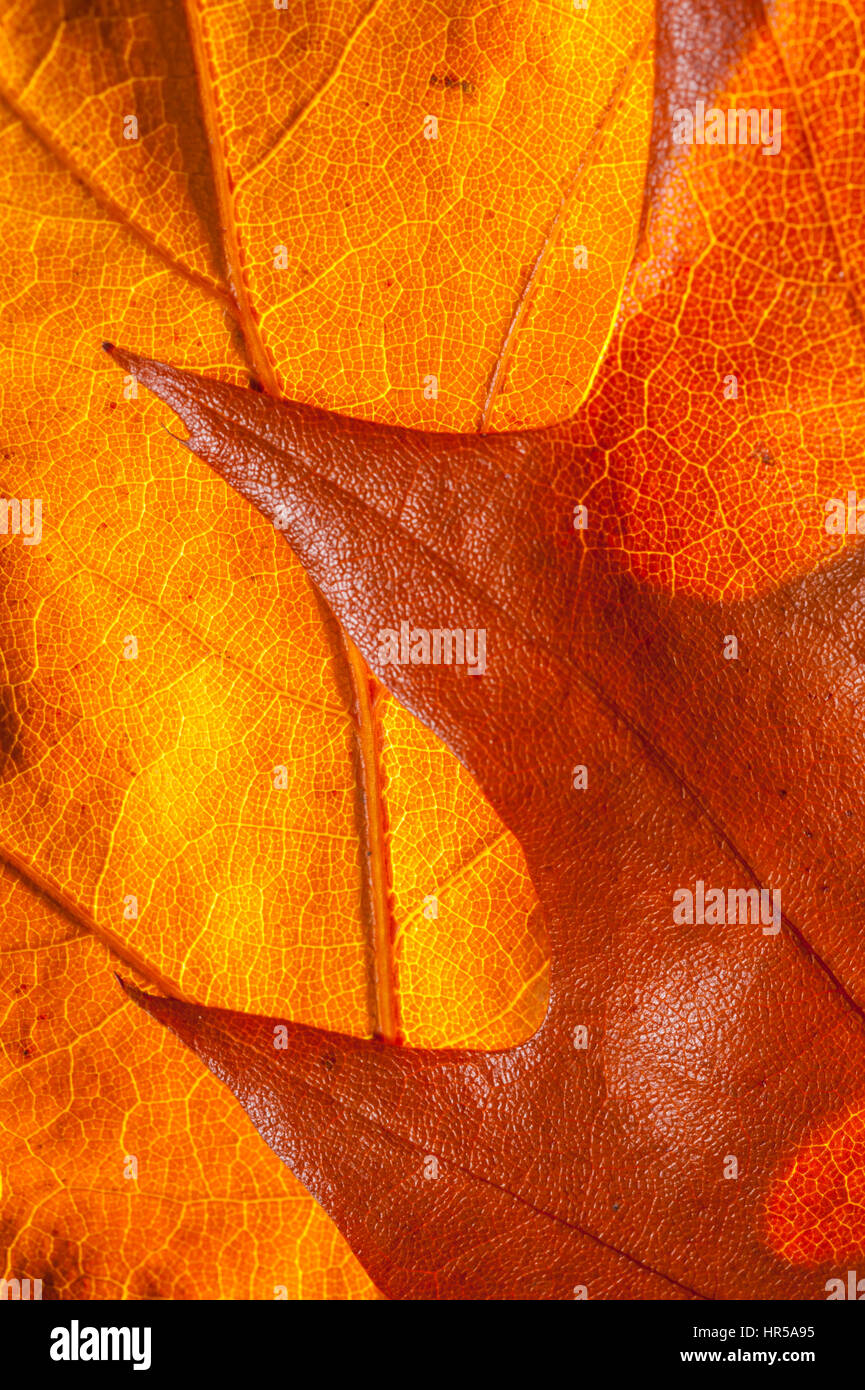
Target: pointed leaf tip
pixel 181 1017
pixel 155 1004
pixel 132 991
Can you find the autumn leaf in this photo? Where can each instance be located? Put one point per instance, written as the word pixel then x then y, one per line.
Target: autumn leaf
pixel 643 1142
pixel 661 686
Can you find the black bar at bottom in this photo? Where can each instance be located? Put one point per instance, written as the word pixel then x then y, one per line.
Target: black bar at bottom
pixel 225 1341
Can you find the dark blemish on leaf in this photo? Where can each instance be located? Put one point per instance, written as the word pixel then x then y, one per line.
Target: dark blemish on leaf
pixel 762 453
pixel 151 1289
pixel 328 1061
pixel 255 384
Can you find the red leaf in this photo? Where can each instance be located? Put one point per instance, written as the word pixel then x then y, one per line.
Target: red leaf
pixel 708 1047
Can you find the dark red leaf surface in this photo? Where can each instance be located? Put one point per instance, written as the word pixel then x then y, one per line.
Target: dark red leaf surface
pixel 559 1167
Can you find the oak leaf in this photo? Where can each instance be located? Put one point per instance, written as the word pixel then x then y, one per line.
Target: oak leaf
pixel 597 1154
